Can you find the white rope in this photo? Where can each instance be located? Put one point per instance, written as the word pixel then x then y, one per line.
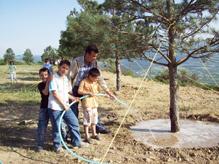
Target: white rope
pixel 212 77
pixel 130 105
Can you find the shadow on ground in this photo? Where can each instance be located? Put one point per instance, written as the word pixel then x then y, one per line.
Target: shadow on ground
pixel 18 136
pixel 8 87
pixel 31 73
pixel 29 78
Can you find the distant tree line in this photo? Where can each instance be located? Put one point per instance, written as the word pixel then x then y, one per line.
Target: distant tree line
pixel 28 58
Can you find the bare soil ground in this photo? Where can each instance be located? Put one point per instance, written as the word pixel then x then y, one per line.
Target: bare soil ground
pixel 20 102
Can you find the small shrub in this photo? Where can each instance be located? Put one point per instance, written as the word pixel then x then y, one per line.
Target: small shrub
pixel 2 62
pixel 184 78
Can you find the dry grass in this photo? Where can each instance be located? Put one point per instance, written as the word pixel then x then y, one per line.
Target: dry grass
pixel 21 101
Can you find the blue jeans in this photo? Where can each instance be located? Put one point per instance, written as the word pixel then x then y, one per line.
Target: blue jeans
pixel 42 126
pixel 72 123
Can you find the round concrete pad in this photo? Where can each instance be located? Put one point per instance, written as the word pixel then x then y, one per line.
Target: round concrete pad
pixel 193 134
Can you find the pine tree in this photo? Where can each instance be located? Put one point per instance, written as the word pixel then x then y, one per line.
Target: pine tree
pixel 9 55
pixel 28 56
pixel 180 31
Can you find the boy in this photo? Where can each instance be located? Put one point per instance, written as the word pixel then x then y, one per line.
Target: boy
pixel 48 66
pixel 12 71
pixel 43 88
pixel 59 96
pixel 89 86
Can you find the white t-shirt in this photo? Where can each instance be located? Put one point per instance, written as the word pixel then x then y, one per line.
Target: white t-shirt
pixel 62 86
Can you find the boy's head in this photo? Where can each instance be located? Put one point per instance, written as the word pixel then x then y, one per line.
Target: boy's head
pixel 44 74
pixel 46 60
pixel 11 62
pixel 91 53
pixel 63 68
pixel 93 74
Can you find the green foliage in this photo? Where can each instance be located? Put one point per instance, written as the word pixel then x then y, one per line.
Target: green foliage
pixel 94 24
pixel 82 30
pixel 184 78
pixel 39 62
pixel 186 20
pixel 50 53
pixel 2 62
pixel 19 62
pixel 109 65
pixel 128 72
pixel 28 56
pixel 9 55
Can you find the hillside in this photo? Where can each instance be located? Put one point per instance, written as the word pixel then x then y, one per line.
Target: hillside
pixel 21 102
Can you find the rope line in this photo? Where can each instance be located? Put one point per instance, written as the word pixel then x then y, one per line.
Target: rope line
pixel 130 105
pixel 212 77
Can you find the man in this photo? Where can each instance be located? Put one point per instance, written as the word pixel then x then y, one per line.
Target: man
pixel 79 69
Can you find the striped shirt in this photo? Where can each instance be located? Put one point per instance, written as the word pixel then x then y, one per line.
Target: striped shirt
pixel 79 71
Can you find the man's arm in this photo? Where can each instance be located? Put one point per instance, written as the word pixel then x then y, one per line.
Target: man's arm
pixel 101 80
pixel 103 85
pixel 73 70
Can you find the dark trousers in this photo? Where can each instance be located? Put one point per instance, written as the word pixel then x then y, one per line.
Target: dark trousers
pixel 74 107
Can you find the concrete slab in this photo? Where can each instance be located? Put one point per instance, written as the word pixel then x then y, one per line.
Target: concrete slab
pixel 193 134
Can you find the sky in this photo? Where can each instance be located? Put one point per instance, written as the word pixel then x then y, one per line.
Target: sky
pixel 34 24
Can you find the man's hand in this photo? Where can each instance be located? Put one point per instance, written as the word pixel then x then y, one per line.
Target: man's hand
pixel 111 95
pixel 72 98
pixel 90 94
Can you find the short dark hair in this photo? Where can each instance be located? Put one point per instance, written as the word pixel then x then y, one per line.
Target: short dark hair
pixel 44 69
pixel 91 48
pixel 46 60
pixel 11 62
pixel 62 62
pixel 94 72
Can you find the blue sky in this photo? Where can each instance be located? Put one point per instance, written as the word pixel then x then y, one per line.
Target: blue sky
pixel 33 24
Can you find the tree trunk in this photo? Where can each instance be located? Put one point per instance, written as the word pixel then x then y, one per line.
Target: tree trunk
pixel 118 72
pixel 174 113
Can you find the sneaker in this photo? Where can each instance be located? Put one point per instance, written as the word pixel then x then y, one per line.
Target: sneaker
pixel 39 149
pixel 102 130
pixel 82 145
pixel 96 137
pixel 59 150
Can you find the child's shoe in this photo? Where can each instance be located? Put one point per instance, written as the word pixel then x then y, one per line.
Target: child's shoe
pixel 39 149
pixel 82 145
pixel 59 150
pixel 96 137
